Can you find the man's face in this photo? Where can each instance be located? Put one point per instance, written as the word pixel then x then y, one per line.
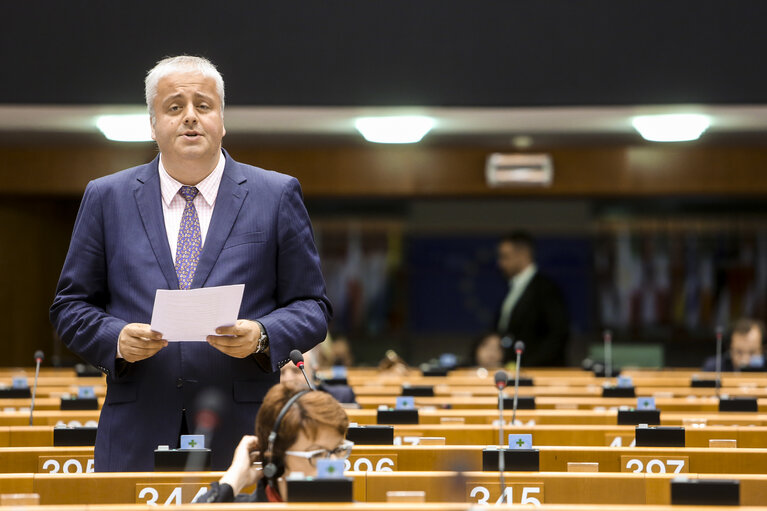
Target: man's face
pixel 743 347
pixel 188 122
pixel 511 259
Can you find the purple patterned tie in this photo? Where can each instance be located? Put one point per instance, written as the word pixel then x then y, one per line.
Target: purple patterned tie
pixel 189 239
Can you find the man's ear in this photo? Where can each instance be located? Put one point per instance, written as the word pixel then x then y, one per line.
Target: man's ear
pixel 151 127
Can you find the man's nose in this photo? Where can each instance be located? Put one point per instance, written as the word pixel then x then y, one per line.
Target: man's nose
pixel 190 116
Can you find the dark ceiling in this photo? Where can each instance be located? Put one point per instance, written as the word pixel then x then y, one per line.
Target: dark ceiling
pixel 394 52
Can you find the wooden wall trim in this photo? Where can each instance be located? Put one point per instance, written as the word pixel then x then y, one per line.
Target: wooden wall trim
pixel 421 171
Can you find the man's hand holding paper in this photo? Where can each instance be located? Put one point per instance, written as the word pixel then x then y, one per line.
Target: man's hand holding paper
pixel 138 341
pixel 237 341
pixel 189 315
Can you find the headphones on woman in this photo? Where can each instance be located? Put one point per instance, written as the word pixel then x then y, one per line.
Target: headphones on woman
pixel 275 469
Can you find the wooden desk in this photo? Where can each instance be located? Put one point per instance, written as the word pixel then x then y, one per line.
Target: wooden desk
pixel 583 435
pixel 568 417
pixel 125 487
pixel 457 457
pixel 553 488
pixel 559 488
pixel 33 459
pixel 434 416
pixel 51 418
pixel 380 506
pixel 676 404
pixel 555 459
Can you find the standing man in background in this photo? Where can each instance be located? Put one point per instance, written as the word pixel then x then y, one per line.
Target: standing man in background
pixel 191 218
pixel 533 311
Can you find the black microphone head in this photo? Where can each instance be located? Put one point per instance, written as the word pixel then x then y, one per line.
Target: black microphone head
pixel 296 357
pixel 501 378
pixel 519 346
pixel 39 355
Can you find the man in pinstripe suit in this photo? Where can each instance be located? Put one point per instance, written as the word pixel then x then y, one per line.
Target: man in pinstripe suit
pixel 191 218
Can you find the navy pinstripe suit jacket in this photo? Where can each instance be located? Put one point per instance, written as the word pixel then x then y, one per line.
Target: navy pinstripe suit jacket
pixel 259 235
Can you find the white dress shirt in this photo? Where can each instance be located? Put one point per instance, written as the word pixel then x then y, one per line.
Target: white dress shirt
pixel 517 286
pixel 173 204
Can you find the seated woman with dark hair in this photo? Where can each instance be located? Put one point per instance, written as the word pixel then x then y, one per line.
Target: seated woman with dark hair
pixel 295 427
pixel 488 352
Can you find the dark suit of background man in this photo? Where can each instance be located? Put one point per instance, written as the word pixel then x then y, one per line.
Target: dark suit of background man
pixel 533 310
pixel 191 218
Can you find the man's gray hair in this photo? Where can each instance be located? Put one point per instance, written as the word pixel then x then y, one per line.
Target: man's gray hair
pixel 181 63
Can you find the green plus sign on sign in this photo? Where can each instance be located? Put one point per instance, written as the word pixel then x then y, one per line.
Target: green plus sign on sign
pixel 192 442
pixel 646 403
pixel 329 468
pixel 523 441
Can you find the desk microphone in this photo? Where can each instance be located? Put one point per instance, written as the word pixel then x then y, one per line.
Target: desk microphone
pixel 719 332
pixel 607 338
pixel 298 360
pixel 519 347
pixel 501 379
pixel 38 359
pixel 210 406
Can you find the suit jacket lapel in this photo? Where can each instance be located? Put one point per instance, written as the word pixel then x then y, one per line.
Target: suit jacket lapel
pixel 228 203
pixel 148 199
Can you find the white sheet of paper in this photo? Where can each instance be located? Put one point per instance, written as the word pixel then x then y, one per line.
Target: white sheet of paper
pixel 194 314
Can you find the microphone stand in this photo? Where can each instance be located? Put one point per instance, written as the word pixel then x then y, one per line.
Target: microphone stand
pixel 311 385
pixel 516 388
pixel 718 360
pixel 501 450
pixel 298 359
pixel 38 359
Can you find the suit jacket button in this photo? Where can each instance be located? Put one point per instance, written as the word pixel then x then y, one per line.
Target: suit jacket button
pixel 179 382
